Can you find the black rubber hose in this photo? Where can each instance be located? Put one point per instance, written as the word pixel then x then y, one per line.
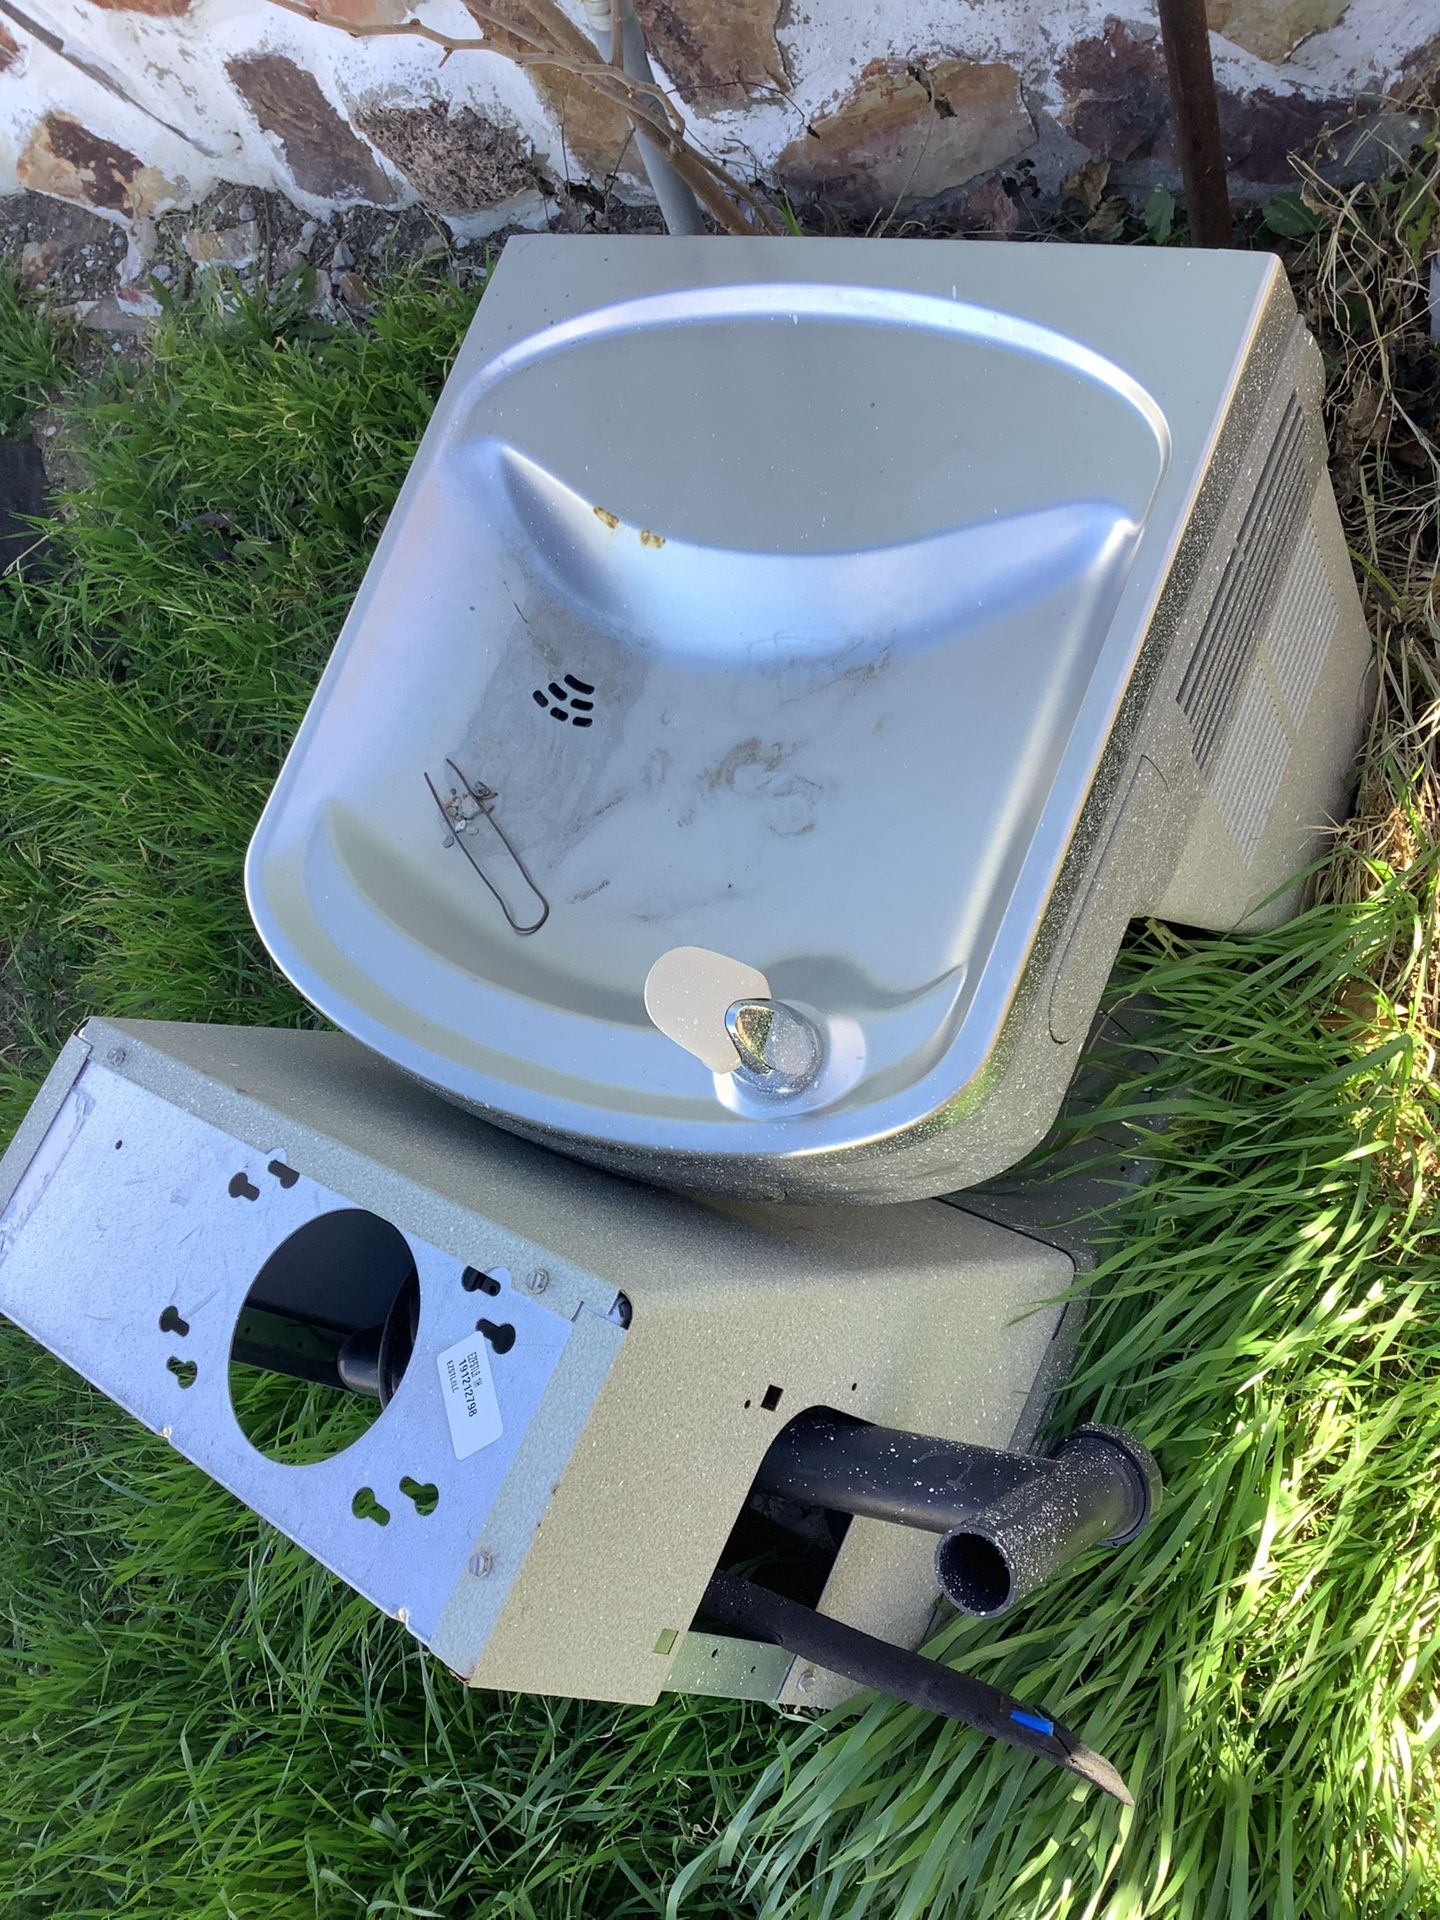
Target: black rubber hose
pixel 757 1614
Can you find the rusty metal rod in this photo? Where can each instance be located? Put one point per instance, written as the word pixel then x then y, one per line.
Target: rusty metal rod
pixel 1185 34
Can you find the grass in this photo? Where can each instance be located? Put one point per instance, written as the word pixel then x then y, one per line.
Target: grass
pixel 32 356
pixel 195 1719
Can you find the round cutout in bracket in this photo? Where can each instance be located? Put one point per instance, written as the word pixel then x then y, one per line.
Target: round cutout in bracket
pixel 336 1276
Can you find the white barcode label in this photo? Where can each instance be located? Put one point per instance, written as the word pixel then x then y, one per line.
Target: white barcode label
pixel 469 1394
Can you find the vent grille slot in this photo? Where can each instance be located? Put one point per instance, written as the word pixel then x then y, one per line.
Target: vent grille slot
pixel 1233 627
pixel 1250 768
pixel 1302 626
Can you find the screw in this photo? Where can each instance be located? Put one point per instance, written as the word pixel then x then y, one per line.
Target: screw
pixel 482 1563
pixel 538 1281
pixel 115 1057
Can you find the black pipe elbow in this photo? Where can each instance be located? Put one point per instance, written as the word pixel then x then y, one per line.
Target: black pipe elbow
pixel 1098 1489
pixel 1008 1520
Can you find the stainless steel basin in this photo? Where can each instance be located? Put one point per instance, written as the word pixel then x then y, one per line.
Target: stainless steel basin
pixel 772 599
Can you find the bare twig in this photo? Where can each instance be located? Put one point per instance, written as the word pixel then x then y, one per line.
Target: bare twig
pixel 376 31
pixel 538 34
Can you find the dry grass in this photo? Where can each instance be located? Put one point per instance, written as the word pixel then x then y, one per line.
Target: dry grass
pixel 1364 281
pixel 1363 277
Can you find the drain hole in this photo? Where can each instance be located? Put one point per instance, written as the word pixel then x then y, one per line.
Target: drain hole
pixel 183 1370
pixel 170 1322
pixel 571 702
pixel 501 1338
pixel 770 1399
pixel 423 1495
pixel 366 1507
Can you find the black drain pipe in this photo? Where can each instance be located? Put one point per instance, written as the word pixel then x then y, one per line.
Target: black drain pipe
pixel 1008 1521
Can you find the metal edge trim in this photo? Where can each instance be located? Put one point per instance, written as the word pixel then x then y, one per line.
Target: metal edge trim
pixel 25 1141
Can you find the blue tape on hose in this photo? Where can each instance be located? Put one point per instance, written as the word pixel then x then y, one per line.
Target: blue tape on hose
pixel 1036 1722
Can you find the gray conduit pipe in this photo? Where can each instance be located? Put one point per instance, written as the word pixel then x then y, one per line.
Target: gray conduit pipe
pixel 678 206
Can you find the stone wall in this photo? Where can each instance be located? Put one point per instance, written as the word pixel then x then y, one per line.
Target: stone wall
pixel 133 106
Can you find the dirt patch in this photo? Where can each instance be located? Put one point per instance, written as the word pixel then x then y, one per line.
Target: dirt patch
pixel 111 279
pixel 73 252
